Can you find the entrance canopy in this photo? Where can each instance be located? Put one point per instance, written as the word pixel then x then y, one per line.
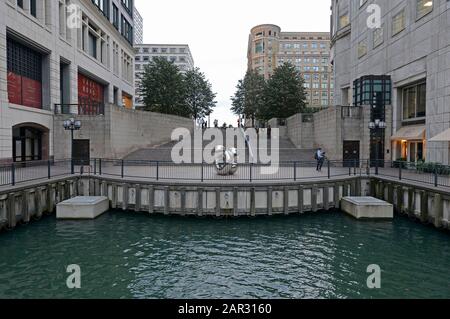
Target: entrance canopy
pixel 442 137
pixel 410 133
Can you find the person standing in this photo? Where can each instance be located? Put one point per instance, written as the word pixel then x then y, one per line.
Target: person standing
pixel 320 158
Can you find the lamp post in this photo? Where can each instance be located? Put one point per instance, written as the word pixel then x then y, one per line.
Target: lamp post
pixel 376 126
pixel 72 125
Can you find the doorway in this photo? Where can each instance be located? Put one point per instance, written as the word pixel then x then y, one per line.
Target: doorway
pixel 81 152
pixel 351 153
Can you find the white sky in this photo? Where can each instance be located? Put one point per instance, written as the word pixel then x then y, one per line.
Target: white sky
pixel 217 33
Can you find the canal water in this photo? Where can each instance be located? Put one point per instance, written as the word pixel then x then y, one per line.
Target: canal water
pixel 128 255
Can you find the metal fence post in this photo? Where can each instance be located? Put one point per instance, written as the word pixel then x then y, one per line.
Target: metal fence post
pixel 355 171
pixel 72 166
pixel 295 171
pixel 400 166
pixel 368 168
pixel 329 169
pixel 100 166
pixel 251 172
pixel 202 172
pixel 49 173
pixel 436 177
pixel 13 174
pixel 157 170
pixel 376 167
pixel 122 168
pixel 95 166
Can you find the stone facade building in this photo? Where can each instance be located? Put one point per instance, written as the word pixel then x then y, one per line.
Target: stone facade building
pixel 59 56
pixel 309 52
pixel 179 54
pixel 403 52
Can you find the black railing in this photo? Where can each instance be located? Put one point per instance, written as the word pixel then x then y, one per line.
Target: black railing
pixel 297 171
pixel 91 108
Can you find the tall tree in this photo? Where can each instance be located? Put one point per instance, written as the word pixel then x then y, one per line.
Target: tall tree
pixel 199 97
pixel 162 88
pixel 285 94
pixel 249 96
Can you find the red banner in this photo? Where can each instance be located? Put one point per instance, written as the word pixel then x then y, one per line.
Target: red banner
pixel 14 88
pixel 89 89
pixel 31 93
pixel 24 91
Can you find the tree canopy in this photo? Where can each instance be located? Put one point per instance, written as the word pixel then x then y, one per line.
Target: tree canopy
pixel 164 89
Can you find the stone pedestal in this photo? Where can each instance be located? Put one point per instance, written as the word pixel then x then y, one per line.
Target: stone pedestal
pixel 82 208
pixel 367 208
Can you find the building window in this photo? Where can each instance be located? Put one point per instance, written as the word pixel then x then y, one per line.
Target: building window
pixel 378 37
pixel 423 8
pixel 344 21
pixel 414 101
pixel 116 16
pixel 24 78
pixel 128 5
pixel 365 88
pixel 362 49
pixel 92 45
pixel 398 22
pixel 259 47
pixel 127 30
pixel 103 6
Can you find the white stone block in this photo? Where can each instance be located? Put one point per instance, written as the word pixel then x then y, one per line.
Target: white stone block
pixel 367 208
pixel 82 207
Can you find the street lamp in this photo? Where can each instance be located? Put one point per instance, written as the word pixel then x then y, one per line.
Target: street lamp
pixel 72 125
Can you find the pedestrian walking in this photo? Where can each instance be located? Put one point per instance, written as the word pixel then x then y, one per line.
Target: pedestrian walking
pixel 320 158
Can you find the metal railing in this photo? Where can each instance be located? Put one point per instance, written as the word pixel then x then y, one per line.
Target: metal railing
pixel 17 173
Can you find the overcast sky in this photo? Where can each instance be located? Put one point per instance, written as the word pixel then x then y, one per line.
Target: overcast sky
pixel 217 33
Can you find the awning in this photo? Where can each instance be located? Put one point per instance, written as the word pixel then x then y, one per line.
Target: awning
pixel 410 133
pixel 442 137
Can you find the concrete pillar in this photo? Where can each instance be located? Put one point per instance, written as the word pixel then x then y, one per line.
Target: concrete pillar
pixel 270 201
pixel 26 195
pixel 390 197
pixel 286 201
pixel 399 192
pixel 438 209
pixel 252 202
pixel 314 199
pixel 125 196
pixel 326 197
pixel 166 200
pixel 138 204
pixel 11 211
pixel 200 203
pixel 151 200
pixel 235 202
pixel 37 202
pixel 423 206
pixel 300 200
pixel 50 199
pixel 114 196
pixel 217 202
pixel 411 202
pixel 183 202
pixel 337 200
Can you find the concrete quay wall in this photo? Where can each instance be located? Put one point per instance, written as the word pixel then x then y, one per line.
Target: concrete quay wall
pixel 20 205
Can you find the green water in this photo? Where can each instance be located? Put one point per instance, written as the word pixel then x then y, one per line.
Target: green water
pixel 127 255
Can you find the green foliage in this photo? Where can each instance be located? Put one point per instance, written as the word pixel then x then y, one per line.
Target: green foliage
pixel 249 96
pixel 438 168
pixel 285 94
pixel 166 90
pixel 162 88
pixel 199 97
